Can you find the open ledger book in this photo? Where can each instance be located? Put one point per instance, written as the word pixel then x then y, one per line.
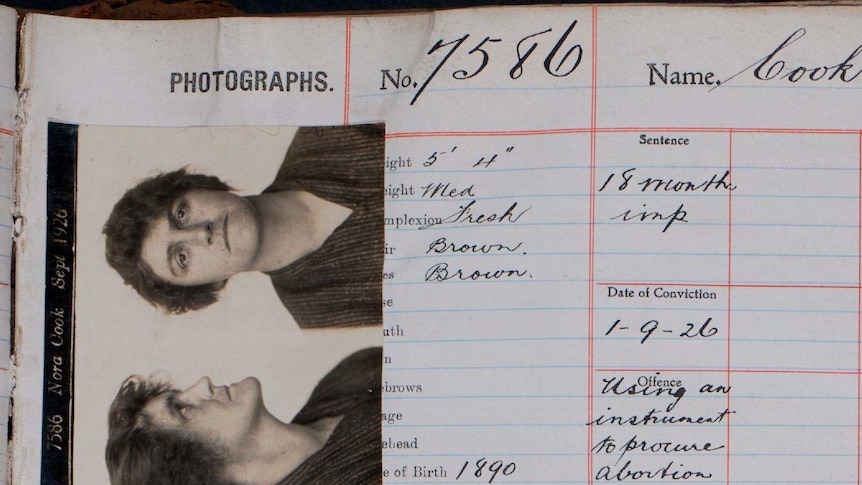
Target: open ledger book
pixel 595 243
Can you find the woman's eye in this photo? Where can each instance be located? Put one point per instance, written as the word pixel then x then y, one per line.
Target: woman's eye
pixel 181 214
pixel 183 258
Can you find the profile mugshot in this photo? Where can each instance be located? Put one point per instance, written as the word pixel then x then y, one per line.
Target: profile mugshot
pixel 220 435
pixel 317 231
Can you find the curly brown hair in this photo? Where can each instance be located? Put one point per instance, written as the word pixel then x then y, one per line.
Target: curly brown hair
pixel 139 454
pixel 129 224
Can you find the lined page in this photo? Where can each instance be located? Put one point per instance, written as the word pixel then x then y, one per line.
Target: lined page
pixel 623 243
pixel 660 285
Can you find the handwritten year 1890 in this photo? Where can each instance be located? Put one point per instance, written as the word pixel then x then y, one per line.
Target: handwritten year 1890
pixel 560 60
pixel 482 468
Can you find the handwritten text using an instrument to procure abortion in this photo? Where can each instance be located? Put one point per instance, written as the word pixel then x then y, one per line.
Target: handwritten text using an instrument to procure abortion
pixel 634 448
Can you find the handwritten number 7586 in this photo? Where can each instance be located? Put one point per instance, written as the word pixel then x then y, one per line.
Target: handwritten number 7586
pixel 557 63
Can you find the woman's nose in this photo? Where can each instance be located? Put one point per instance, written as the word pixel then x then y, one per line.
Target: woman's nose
pixel 201 389
pixel 201 234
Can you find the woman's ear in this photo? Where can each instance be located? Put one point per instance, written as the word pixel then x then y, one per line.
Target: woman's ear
pixel 132 382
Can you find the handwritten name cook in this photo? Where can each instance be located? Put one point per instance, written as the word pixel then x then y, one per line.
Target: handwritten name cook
pixel 777 65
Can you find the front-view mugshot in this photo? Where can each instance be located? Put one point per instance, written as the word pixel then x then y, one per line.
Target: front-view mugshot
pixel 317 231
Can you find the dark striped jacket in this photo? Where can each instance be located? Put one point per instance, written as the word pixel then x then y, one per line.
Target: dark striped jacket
pixel 352 455
pixel 340 284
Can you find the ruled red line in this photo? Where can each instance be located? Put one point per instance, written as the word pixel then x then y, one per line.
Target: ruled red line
pixel 662 129
pixel 734 285
pixel 556 131
pixel 723 370
pixel 592 243
pixel 859 326
pixel 729 280
pixel 7 132
pixel 564 131
pixel 791 131
pixel 689 129
pixel 347 71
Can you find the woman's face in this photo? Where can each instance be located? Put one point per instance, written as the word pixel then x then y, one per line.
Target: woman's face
pixel 206 236
pixel 223 417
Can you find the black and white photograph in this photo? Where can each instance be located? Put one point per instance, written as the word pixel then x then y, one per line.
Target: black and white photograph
pixel 228 305
pixel 317 230
pixel 225 435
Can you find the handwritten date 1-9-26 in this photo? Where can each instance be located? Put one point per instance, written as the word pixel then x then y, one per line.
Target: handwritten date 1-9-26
pixel 561 60
pixel 706 329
